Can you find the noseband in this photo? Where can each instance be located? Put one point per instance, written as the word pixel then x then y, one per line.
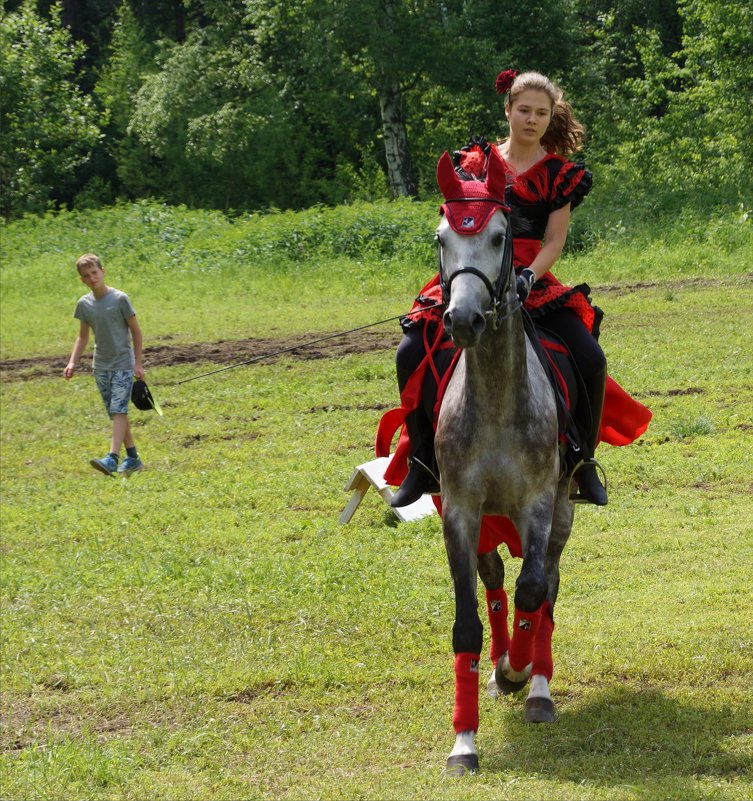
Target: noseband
pixel 500 307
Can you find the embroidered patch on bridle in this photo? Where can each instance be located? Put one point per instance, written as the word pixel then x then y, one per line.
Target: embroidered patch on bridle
pixel 468 222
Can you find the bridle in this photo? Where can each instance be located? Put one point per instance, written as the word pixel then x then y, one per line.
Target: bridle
pixel 501 308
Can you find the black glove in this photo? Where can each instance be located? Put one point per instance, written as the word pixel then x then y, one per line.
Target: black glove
pixel 524 282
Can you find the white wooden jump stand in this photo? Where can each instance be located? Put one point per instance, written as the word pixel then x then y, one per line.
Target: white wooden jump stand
pixel 371 474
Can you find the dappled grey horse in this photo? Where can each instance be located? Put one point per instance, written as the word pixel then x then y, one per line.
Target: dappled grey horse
pixel 498 451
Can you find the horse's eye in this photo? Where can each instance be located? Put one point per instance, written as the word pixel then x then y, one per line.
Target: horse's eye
pixel 439 241
pixel 497 240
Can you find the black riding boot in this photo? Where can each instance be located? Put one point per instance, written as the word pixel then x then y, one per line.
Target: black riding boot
pixel 590 488
pixel 422 477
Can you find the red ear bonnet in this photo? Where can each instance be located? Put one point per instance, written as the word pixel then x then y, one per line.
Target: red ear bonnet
pixel 495 174
pixel 469 205
pixel 450 184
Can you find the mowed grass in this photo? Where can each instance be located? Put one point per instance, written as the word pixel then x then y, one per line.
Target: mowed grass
pixel 208 630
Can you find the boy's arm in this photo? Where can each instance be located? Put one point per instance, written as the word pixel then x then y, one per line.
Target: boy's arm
pixel 137 345
pixel 78 348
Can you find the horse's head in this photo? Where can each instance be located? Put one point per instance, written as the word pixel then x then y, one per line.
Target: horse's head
pixel 475 250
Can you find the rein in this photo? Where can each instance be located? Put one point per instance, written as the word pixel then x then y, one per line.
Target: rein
pixel 501 309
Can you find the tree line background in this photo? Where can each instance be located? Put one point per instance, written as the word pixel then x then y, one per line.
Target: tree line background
pixel 244 105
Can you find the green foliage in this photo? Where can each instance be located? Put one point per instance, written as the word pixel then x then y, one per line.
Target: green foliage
pixel 609 37
pixel 222 127
pixel 133 172
pixel 440 62
pixel 684 142
pixel 48 128
pixel 247 106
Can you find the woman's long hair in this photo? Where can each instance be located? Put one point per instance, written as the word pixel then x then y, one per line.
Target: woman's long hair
pixel 565 134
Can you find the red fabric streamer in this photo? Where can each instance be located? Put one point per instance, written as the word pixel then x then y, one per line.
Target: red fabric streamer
pixel 624 419
pixel 495 529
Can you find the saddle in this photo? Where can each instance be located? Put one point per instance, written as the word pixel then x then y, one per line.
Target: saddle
pixel 558 365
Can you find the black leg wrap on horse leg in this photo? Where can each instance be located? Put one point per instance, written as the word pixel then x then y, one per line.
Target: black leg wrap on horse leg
pixel 530 593
pixel 422 475
pixel 467 636
pixel 584 472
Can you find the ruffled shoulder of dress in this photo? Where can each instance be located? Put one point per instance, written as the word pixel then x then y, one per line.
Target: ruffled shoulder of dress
pixel 535 183
pixel 572 184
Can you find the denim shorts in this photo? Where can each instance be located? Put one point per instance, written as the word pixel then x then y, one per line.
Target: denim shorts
pixel 115 388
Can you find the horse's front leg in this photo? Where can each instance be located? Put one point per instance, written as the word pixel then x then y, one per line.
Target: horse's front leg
pixel 514 668
pixel 461 533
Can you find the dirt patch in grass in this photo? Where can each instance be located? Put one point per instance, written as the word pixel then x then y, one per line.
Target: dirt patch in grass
pixel 683 283
pixel 214 355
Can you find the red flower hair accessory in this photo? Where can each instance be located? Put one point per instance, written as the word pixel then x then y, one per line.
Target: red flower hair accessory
pixel 505 80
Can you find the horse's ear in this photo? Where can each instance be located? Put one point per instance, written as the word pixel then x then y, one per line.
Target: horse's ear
pixel 495 174
pixel 447 178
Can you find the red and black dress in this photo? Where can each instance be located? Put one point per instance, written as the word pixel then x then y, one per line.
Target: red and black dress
pixel 533 195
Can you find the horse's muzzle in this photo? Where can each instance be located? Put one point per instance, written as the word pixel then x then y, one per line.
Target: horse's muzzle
pixel 464 328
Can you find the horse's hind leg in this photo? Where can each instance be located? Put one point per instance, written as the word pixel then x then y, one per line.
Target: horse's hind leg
pixel 491 569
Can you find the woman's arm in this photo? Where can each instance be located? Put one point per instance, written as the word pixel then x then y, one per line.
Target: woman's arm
pixel 554 240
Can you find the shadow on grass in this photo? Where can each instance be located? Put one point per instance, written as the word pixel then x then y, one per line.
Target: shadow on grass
pixel 639 738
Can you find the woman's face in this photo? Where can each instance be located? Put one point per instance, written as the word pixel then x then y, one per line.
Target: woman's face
pixel 529 116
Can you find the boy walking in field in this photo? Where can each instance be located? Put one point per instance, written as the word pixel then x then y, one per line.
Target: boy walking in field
pixel 110 314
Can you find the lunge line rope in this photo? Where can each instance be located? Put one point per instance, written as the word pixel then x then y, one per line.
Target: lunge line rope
pixel 302 345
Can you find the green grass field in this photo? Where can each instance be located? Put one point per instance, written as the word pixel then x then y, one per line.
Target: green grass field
pixel 208 630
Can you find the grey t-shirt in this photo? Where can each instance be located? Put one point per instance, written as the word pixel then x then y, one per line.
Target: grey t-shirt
pixel 108 318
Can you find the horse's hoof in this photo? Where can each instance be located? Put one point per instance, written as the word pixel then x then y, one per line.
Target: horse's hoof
pixel 508 686
pixel 539 710
pixel 461 764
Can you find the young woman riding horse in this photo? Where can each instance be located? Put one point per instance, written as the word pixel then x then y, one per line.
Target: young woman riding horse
pixel 542 187
pixel 499 432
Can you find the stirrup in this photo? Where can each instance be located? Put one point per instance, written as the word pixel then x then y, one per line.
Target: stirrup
pixel 573 494
pixel 428 470
pixel 415 484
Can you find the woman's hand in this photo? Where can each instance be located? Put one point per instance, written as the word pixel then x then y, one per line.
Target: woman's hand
pixel 524 282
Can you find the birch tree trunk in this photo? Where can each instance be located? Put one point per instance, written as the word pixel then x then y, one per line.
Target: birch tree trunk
pixel 399 166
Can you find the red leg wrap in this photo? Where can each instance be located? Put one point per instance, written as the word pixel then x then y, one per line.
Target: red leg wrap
pixel 496 608
pixel 465 714
pixel 524 628
pixel 542 646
